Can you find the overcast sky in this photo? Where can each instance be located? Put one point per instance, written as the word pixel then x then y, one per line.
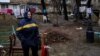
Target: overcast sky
pixel 4 0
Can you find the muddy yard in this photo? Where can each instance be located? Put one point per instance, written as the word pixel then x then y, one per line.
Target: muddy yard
pixel 76 44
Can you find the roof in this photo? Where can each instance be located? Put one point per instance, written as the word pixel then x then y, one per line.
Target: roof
pixel 4 3
pixel 19 1
pixel 25 1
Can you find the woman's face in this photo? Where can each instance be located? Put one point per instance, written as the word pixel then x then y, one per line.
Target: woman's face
pixel 29 15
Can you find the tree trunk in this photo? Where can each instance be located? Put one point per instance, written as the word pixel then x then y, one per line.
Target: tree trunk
pixel 89 6
pixel 89 3
pixel 78 4
pixel 65 10
pixel 44 7
pixel 44 10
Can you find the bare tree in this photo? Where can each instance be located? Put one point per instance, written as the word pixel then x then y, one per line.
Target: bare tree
pixel 78 4
pixel 44 10
pixel 89 6
pixel 59 8
pixel 57 5
pixel 65 9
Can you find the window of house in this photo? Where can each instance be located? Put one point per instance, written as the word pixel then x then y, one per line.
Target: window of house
pixel 22 6
pixel 14 6
pixel 3 6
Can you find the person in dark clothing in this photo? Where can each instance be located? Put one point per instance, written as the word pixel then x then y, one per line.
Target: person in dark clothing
pixel 28 34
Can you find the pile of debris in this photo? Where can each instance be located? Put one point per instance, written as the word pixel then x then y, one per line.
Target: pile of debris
pixel 56 36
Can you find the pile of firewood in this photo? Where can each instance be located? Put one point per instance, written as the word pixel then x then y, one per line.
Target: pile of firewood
pixel 56 37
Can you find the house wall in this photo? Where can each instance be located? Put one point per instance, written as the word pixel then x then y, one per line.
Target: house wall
pixel 0 6
pixel 14 7
pixel 10 6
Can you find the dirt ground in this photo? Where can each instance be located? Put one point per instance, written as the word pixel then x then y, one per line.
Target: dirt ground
pixel 76 46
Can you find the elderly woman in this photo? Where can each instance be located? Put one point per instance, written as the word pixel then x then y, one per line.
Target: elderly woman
pixel 28 34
